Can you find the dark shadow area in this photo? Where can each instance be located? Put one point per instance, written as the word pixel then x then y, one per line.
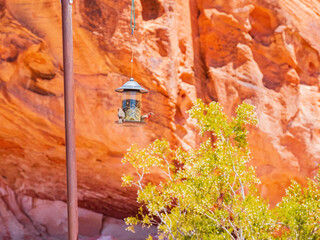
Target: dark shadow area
pixel 151 9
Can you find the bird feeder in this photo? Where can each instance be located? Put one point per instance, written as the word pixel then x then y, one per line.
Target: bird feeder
pixel 131 102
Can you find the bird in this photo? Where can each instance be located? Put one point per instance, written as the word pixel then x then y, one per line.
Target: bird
pixel 220 200
pixel 219 203
pixel 121 115
pixel 146 117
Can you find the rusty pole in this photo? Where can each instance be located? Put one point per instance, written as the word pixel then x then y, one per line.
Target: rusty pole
pixel 72 199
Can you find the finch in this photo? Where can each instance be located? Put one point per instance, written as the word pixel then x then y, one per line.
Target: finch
pixel 121 115
pixel 220 200
pixel 146 117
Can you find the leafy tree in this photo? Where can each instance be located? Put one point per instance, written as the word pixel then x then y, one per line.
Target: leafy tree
pixel 209 192
pixel 299 211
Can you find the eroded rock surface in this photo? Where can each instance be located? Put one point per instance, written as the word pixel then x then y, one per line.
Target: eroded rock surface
pixel 262 52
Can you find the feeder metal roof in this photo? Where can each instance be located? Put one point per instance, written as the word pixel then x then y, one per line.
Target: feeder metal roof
pixel 131 85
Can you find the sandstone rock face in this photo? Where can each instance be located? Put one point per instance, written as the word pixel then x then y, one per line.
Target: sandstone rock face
pixel 264 52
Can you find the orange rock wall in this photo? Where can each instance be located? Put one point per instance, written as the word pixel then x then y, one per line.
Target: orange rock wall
pixel 263 52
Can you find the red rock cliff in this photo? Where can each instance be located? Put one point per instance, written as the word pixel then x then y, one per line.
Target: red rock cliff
pixel 265 52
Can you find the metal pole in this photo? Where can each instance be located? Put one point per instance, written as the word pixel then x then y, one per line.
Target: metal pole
pixel 69 119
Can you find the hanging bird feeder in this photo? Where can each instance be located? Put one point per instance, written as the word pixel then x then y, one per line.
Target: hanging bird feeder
pixel 130 111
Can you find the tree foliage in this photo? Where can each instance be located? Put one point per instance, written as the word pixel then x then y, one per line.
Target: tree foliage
pixel 211 192
pixel 299 211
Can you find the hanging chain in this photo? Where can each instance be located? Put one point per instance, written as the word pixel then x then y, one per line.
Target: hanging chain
pixel 132 26
pixel 133 18
pixel 131 55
